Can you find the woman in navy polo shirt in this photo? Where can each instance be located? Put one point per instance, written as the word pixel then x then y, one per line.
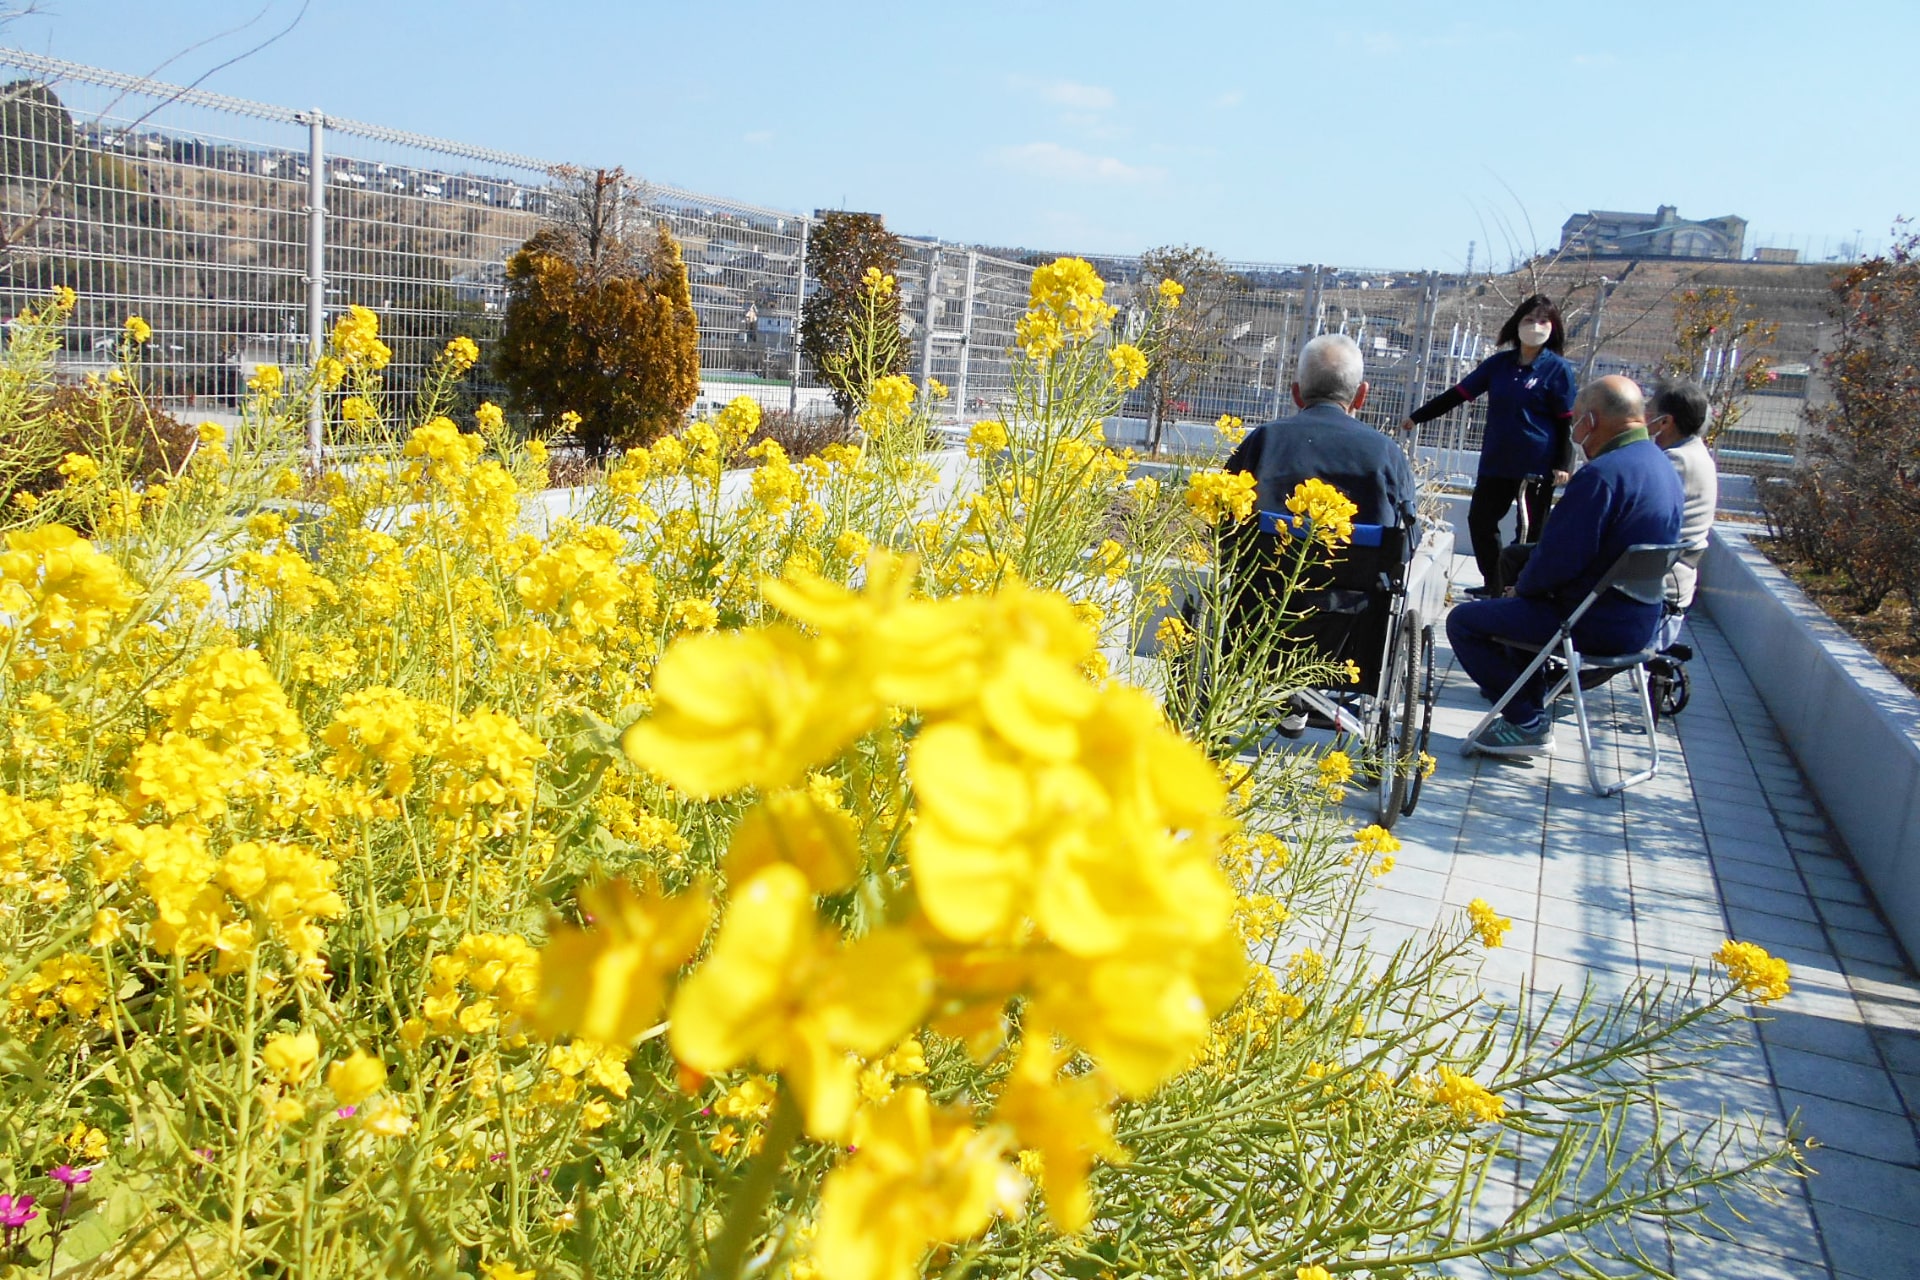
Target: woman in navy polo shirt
pixel 1529 387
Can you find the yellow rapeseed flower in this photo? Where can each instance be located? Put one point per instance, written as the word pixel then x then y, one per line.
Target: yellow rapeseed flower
pixel 290 1057
pixel 1468 1099
pixel 783 991
pixel 1327 512
pixel 1756 973
pixel 1488 924
pixel 1129 365
pixel 138 330
pixel 1220 495
pixel 356 1078
pixel 919 1177
pixel 461 354
pixel 607 981
pixel 1066 1121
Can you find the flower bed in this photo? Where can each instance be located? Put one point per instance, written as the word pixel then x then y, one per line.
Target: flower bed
pixel 774 870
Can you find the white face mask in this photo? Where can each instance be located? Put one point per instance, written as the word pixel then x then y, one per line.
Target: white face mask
pixel 1533 333
pixel 1582 432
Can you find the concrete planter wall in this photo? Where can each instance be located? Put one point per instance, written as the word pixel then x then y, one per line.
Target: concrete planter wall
pixel 1853 727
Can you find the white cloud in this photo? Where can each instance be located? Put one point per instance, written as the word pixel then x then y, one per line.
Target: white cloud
pixel 1051 160
pixel 1081 97
pixel 1231 98
pixel 1071 94
pixel 758 138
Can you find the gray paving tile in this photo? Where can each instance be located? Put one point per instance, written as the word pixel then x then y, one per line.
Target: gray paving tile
pixel 1696 1256
pixel 1865 1246
pixel 1868 1186
pixel 1836 889
pixel 1759 874
pixel 1775 932
pixel 1875 947
pixel 1791 903
pixel 1899 1049
pixel 1826 1036
pixel 1855 1130
pixel 1836 1078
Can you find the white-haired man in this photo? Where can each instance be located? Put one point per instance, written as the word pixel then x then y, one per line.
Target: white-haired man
pixel 1325 441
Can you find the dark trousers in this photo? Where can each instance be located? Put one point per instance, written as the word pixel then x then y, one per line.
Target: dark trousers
pixel 1493 497
pixel 1475 630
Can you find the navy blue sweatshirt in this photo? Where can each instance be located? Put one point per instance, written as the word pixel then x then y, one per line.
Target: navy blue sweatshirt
pixel 1629 494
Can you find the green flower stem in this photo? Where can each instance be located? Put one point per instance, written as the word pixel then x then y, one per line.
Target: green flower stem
pixel 729 1253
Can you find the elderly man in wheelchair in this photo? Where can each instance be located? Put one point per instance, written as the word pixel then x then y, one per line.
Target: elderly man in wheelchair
pixel 1357 607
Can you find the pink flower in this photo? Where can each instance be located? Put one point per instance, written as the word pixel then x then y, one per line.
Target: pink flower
pixel 16 1211
pixel 71 1176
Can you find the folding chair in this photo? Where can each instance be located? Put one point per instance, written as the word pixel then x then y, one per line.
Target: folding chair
pixel 1640 573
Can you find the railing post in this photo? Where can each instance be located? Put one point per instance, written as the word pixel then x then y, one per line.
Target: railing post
pixel 1310 321
pixel 799 309
pixel 966 337
pixel 926 321
pixel 1594 334
pixel 1282 352
pixel 316 279
pixel 1423 348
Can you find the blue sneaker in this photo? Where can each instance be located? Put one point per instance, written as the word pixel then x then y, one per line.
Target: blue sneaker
pixel 1506 738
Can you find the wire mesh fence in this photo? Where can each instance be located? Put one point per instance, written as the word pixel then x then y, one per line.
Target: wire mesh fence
pixel 196 211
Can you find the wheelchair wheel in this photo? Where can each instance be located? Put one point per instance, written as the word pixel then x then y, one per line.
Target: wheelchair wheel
pixel 1396 728
pixel 1667 686
pixel 1418 774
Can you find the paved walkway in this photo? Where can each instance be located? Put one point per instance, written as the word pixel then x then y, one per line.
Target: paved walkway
pixel 1726 841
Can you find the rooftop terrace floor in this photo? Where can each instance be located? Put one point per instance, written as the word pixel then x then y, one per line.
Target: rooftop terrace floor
pixel 1726 841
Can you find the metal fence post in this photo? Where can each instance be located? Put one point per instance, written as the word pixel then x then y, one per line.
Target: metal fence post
pixel 1282 352
pixel 926 323
pixel 1310 321
pixel 1593 334
pixel 799 308
pixel 1423 350
pixel 966 337
pixel 316 278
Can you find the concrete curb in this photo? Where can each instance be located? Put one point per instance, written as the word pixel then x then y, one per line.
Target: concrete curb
pixel 1851 724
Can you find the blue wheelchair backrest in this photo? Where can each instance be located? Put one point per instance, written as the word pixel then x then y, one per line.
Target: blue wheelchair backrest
pixel 1364 535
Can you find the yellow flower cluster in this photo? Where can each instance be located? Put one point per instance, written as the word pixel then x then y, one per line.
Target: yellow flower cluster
pixel 1487 924
pixel 578 581
pixel 1327 512
pixel 57 591
pixel 1469 1100
pixel 356 340
pixel 1063 849
pixel 1334 771
pixel 461 354
pixel 986 438
pixel 1129 365
pixel 1759 975
pixel 72 985
pixel 138 330
pixel 1064 307
pixel 487 980
pixel 1215 496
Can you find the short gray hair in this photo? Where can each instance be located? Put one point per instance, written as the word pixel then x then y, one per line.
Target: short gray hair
pixel 1330 369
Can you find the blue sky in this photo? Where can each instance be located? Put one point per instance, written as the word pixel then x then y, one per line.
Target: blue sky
pixel 1382 134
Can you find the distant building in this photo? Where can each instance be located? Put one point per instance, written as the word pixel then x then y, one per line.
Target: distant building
pixel 1662 234
pixel 1776 255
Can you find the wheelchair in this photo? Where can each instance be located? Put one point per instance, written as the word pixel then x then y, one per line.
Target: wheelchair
pixel 1368 606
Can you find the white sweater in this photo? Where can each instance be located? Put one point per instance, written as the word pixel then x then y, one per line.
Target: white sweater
pixel 1701 480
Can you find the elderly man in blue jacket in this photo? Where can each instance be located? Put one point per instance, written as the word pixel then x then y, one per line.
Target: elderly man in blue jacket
pixel 1627 493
